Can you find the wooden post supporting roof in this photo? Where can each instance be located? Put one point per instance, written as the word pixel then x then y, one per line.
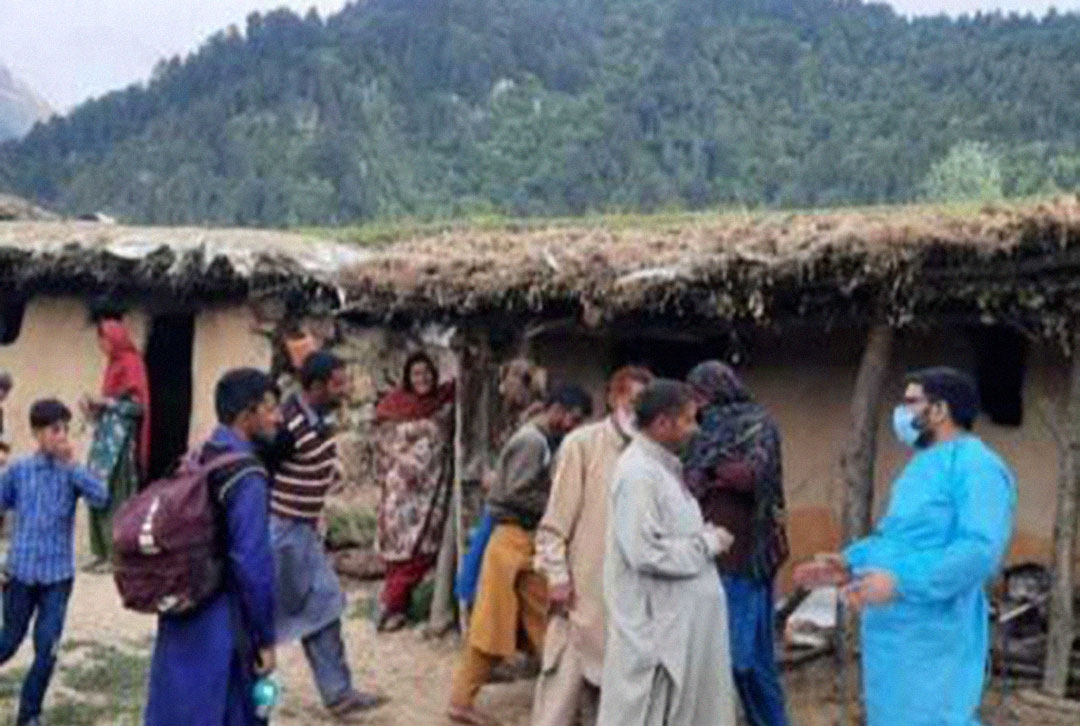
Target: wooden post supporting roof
pixel 860 450
pixel 857 462
pixel 1062 615
pixel 472 407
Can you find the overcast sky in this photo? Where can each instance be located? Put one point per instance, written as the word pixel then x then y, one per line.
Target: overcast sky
pixel 69 50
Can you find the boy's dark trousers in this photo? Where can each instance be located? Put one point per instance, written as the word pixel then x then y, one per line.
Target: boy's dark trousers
pixel 21 601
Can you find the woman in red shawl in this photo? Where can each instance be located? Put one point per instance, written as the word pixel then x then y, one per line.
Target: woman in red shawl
pixel 120 451
pixel 413 462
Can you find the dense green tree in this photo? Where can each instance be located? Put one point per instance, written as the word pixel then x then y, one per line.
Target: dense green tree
pixel 970 171
pixel 428 108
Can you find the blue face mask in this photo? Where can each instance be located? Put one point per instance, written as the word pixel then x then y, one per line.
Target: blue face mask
pixel 904 426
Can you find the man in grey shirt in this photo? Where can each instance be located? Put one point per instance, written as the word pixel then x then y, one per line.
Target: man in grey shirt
pixel 511 595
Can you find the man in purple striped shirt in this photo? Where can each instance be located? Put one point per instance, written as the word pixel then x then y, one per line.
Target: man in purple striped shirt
pixel 42 489
pixel 309 601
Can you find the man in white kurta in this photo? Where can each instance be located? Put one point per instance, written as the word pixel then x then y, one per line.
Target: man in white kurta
pixel 666 661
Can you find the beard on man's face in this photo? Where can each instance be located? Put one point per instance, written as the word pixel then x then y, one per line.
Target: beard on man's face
pixel 265 436
pixel 926 432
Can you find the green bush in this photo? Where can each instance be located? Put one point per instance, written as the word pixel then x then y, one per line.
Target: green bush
pixel 349 527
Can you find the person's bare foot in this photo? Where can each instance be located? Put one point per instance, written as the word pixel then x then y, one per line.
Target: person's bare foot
pixel 471 716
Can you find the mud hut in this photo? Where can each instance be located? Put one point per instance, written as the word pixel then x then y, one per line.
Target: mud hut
pixel 822 312
pixel 200 301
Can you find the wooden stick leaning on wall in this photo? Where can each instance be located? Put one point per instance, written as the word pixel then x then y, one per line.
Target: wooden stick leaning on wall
pixel 459 487
pixel 451 550
pixel 1062 616
pixel 473 400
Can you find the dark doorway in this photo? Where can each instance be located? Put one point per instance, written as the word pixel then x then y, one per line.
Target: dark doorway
pixel 668 357
pixel 168 362
pixel 1000 365
pixel 12 309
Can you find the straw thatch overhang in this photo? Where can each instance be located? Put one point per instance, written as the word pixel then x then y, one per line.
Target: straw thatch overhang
pixel 1017 264
pixel 187 265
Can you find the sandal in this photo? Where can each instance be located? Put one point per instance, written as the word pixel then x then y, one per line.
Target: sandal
pixel 471 716
pixel 94 566
pixel 355 703
pixel 391 623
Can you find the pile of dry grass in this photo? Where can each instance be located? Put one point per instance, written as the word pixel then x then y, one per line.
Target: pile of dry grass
pixel 891 262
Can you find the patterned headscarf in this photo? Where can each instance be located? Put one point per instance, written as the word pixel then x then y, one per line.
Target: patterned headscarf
pixel 734 426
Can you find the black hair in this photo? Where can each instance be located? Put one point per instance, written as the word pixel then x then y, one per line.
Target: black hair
pixel 318 367
pixel 954 388
pixel 570 396
pixel 663 396
pixel 48 411
pixel 418 357
pixel 239 390
pixel 105 308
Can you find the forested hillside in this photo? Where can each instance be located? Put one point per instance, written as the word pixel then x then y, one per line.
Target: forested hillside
pixel 536 107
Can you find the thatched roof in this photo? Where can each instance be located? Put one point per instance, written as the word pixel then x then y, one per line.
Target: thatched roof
pixel 1017 263
pixel 1014 263
pixel 180 263
pixel 18 209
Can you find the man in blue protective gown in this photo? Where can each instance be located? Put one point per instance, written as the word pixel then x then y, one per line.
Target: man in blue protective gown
pixel 205 663
pixel 919 580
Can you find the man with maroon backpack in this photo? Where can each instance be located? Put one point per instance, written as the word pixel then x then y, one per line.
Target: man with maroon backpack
pixel 207 658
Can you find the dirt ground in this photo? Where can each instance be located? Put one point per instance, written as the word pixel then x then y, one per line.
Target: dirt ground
pixel 412 671
pixel 101 675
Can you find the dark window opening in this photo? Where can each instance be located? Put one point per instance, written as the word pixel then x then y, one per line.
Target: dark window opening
pixel 168 363
pixel 12 310
pixel 1000 364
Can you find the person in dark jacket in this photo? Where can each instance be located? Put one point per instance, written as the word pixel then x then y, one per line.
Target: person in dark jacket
pixel 205 663
pixel 733 468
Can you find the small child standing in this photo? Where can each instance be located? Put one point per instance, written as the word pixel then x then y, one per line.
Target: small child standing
pixel 42 490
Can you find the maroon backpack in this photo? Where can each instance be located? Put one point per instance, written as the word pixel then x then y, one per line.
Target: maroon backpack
pixel 168 552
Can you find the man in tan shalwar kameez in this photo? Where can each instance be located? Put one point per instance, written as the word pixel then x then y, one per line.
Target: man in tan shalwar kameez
pixel 666 661
pixel 570 554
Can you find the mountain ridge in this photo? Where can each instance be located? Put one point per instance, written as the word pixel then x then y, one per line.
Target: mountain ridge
pixel 431 108
pixel 20 106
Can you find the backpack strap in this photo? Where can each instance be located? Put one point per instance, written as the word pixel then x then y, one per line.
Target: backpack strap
pixel 232 458
pixel 253 468
pixel 223 460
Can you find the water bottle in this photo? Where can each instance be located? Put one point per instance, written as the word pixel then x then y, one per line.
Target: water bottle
pixel 265 693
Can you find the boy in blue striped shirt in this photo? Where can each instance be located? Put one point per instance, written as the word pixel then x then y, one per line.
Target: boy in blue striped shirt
pixel 42 490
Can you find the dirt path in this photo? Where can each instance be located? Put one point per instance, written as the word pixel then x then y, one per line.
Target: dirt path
pixel 101 676
pixel 412 671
